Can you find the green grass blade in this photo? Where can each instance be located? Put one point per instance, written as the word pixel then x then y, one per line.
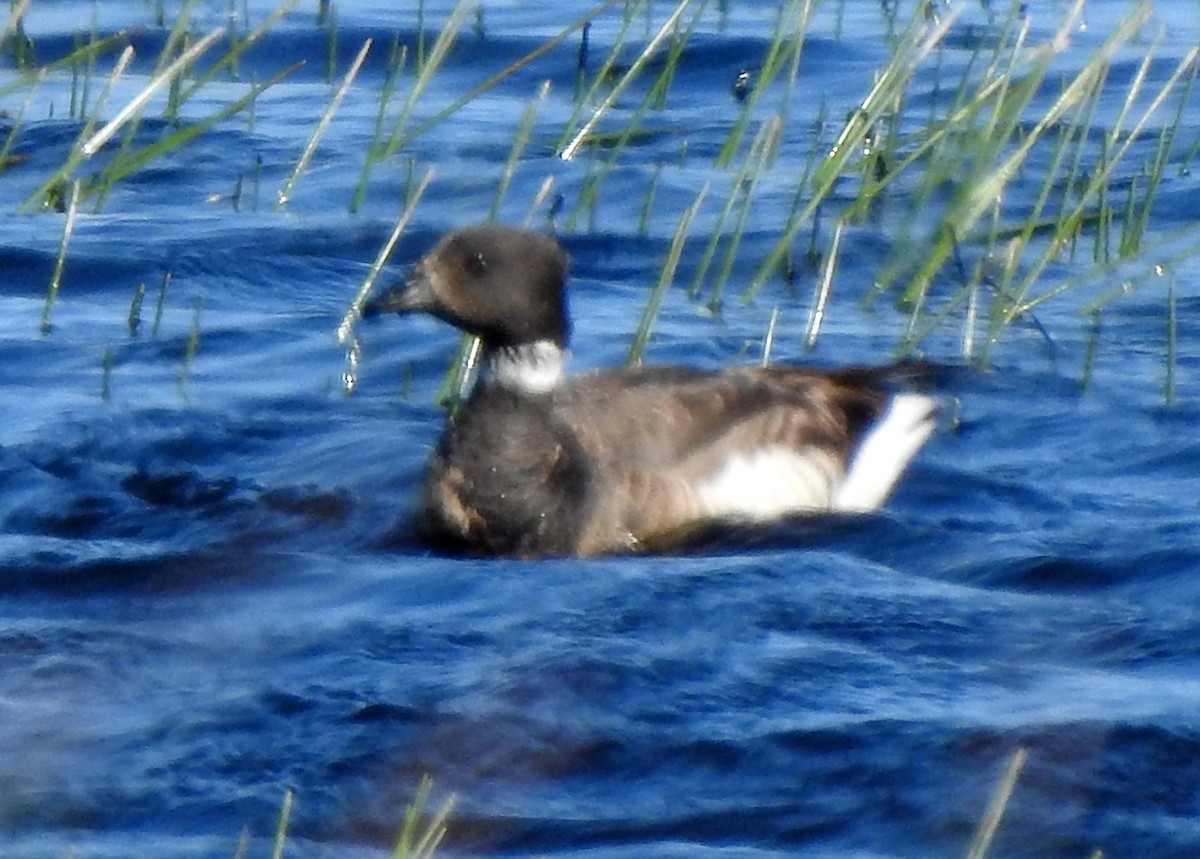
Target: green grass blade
pixel 281 827
pixel 127 163
pixel 77 155
pixel 345 331
pixel 816 316
pixel 499 76
pixel 635 68
pixel 234 54
pixel 60 260
pixel 92 146
pixel 999 802
pixel 16 14
pixel 520 140
pixel 666 275
pixel 289 184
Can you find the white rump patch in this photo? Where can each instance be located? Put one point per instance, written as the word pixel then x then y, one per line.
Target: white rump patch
pixel 534 368
pixel 767 484
pixel 884 452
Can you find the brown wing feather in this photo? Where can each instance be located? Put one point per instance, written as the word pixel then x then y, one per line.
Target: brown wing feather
pixel 663 418
pixel 659 433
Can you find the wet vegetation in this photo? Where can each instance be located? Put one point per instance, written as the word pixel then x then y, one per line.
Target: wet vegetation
pixel 1003 183
pixel 946 155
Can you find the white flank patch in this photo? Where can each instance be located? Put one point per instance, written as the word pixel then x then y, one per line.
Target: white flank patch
pixel 535 368
pixel 766 484
pixel 885 451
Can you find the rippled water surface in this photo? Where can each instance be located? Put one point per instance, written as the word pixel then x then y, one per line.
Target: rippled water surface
pixel 208 595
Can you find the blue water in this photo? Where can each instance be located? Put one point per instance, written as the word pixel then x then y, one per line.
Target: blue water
pixel 208 595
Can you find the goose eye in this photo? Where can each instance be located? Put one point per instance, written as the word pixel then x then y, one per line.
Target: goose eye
pixel 474 264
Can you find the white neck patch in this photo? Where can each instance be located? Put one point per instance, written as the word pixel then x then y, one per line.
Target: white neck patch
pixel 534 368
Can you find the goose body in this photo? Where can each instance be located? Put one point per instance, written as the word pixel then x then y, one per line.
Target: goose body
pixel 536 462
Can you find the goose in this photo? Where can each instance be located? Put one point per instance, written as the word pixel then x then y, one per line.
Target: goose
pixel 538 462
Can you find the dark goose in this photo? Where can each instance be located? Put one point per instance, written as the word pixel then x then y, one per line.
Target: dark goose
pixel 537 463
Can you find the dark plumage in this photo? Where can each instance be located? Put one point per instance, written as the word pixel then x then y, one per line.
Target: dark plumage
pixel 536 463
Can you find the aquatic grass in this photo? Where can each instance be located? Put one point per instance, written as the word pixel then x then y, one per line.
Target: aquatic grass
pixel 741 185
pixel 396 62
pixel 174 45
pixel 14 35
pixel 1091 351
pixel 979 147
pixel 92 49
pixel 255 181
pixel 329 24
pixel 824 286
pixel 956 165
pixel 762 154
pixel 236 48
pixel 969 206
pixel 77 155
pixel 89 141
pixel 784 52
pixel 7 159
pixel 970 322
pixel 460 372
pixel 289 184
pixel 92 145
pixel 539 199
pixel 281 825
pixel 75 82
pixel 520 140
pixel 1022 302
pixel 581 61
pixel 161 303
pixel 422 827
pixel 235 197
pixel 1172 352
pixel 134 319
pixel 1154 177
pixel 13 32
pixel 769 337
pixel 572 146
pixel 16 14
pixel 584 98
pixel 994 813
pixel 107 361
pixel 176 40
pixel 977 144
pixel 420 33
pixel 191 347
pixel 656 95
pixel 630 130
pixel 643 227
pixel 346 335
pixel 417 841
pixel 891 81
pixel 402 133
pixel 130 162
pixel 174 61
pixel 988 121
pixel 426 67
pixel 588 197
pixel 666 276
pixel 242 849
pixel 60 260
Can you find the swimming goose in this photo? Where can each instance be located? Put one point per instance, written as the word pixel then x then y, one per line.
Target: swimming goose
pixel 539 463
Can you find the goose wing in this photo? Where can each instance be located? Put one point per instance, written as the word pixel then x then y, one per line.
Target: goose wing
pixel 675 449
